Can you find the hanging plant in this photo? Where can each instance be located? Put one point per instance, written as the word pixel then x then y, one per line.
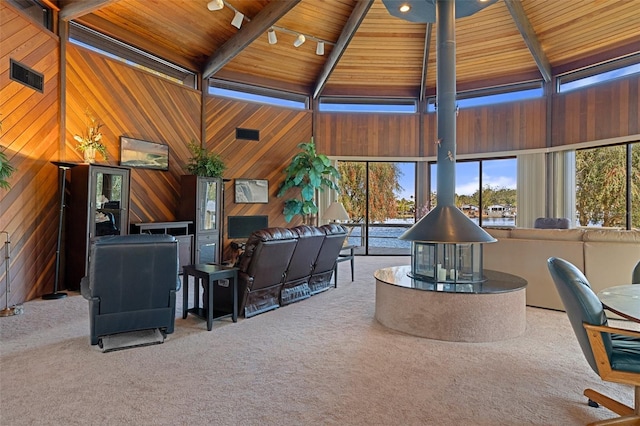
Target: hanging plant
pixel 310 172
pixel 204 163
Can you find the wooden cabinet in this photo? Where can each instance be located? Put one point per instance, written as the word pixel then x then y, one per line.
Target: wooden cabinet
pixel 98 205
pixel 180 230
pixel 201 202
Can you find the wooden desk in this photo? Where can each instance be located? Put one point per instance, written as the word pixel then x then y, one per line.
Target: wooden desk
pixel 342 257
pixel 623 300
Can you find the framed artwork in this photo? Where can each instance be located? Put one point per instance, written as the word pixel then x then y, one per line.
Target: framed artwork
pixel 252 191
pixel 143 154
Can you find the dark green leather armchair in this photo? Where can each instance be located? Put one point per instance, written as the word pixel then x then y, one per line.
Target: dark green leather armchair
pixel 613 353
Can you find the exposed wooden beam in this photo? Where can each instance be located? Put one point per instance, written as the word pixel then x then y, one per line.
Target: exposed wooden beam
pixel 350 28
pixel 78 9
pixel 531 40
pixel 425 60
pixel 250 31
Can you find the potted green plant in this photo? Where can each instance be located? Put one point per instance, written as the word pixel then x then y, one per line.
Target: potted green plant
pixel 91 141
pixel 311 172
pixel 6 169
pixel 204 163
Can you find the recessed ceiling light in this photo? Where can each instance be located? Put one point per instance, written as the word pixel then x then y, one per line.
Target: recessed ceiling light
pixel 405 8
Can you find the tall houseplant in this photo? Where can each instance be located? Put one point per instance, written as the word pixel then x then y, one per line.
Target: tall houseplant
pixel 6 169
pixel 204 163
pixel 310 172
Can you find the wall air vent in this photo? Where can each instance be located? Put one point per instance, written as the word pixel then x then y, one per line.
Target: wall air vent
pixel 27 76
pixel 247 134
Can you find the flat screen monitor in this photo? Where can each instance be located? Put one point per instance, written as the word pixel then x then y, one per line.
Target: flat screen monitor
pixel 243 226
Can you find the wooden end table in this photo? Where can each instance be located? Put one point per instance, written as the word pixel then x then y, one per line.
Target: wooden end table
pixel 208 274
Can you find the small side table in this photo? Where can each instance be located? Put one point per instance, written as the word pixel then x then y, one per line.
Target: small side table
pixel 209 274
pixel 343 257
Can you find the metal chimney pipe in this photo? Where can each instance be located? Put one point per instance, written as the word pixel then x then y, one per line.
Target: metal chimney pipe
pixel 446 101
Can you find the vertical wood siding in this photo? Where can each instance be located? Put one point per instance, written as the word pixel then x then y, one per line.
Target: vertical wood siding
pixel 368 135
pixel 29 138
pixel 494 128
pixel 601 111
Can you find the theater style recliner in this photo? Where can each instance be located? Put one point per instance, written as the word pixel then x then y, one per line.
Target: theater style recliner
pixel 131 284
pixel 261 271
pixel 303 260
pixel 283 265
pixel 325 263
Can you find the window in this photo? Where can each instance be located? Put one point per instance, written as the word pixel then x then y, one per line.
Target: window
pixel 608 186
pixel 249 93
pixel 404 106
pixel 496 205
pixel 493 96
pixel 380 200
pixel 115 49
pixel 603 73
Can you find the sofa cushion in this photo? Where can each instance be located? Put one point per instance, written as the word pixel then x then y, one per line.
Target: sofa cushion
pixel 498 233
pixel 547 234
pixel 611 235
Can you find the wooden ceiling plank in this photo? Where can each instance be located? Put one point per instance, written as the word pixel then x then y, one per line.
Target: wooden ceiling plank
pixel 350 28
pixel 249 32
pixel 76 10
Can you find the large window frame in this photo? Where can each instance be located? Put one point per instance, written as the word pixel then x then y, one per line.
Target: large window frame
pixel 249 93
pixel 86 37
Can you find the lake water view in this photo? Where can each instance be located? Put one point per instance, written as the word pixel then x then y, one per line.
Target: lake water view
pixel 385 235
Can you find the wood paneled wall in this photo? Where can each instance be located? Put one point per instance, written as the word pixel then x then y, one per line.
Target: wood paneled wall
pixel 368 135
pixel 29 138
pixel 134 103
pixel 281 130
pixel 602 111
pixel 501 127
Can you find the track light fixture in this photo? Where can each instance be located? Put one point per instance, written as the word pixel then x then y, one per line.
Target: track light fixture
pixel 271 35
pixel 215 5
pixel 237 20
pixel 299 40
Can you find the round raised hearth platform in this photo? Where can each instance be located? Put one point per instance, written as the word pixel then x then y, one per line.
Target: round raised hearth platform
pixel 486 312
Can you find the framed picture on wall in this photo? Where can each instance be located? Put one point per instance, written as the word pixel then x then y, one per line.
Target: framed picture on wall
pixel 143 154
pixel 252 191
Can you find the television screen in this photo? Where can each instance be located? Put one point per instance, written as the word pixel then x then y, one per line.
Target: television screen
pixel 243 226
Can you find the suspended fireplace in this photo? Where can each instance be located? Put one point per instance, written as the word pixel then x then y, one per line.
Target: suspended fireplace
pixel 446 244
pixel 461 298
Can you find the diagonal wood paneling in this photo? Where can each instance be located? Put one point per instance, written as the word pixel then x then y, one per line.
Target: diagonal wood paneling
pixel 131 102
pixel 281 130
pixel 29 210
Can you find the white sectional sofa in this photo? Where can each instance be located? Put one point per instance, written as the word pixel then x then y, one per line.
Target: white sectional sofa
pixel 606 257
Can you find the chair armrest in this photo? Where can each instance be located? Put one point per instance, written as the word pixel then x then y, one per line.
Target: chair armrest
pixel 85 289
pixel 612 330
pixel 601 356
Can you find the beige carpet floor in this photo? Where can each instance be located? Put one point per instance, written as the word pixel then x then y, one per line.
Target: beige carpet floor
pixel 321 361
